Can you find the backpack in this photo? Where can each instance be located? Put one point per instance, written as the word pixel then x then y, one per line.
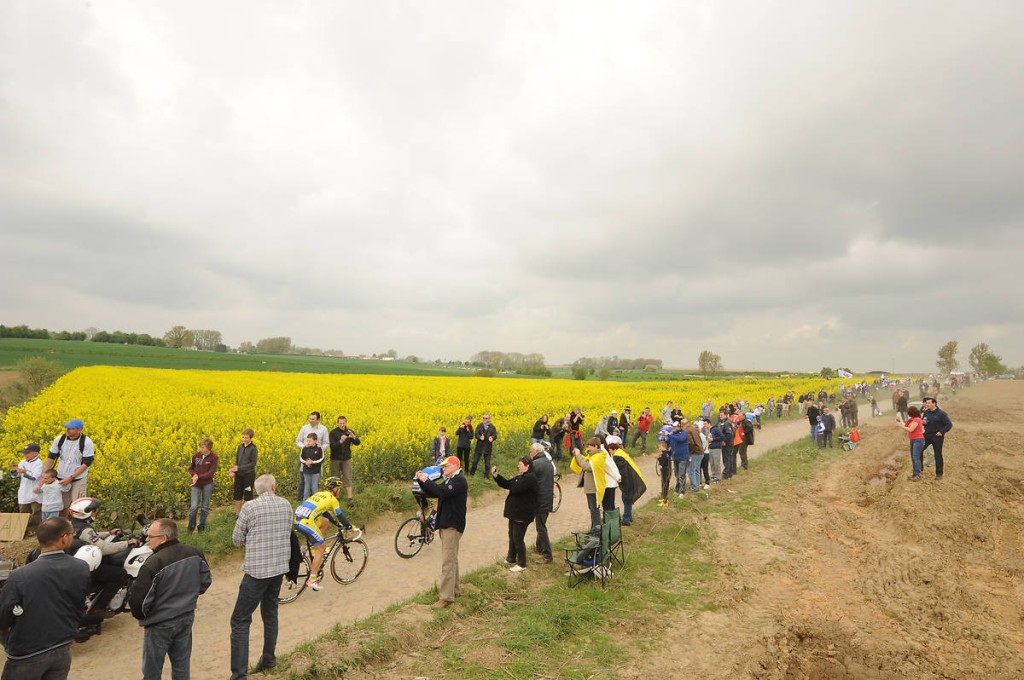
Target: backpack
pixel 64 438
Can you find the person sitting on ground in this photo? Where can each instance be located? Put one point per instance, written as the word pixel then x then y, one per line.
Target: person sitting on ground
pixel 311 518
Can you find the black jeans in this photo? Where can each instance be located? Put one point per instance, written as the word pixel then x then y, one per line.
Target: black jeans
pixel 252 593
pixel 608 502
pixel 936 444
pixel 728 460
pixel 743 457
pixel 543 541
pixel 463 453
pixel 487 462
pixel 52 665
pixel 665 464
pixel 517 542
pixel 556 447
pixel 704 463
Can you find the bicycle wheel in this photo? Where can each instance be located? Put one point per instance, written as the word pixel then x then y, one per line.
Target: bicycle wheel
pixel 556 500
pixel 409 538
pixel 348 561
pixel 290 591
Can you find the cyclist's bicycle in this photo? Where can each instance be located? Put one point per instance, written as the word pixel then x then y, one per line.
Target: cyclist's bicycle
pixel 556 500
pixel 414 533
pixel 346 558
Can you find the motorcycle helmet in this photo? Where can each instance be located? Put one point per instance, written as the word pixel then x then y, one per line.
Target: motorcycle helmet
pixel 91 555
pixel 85 508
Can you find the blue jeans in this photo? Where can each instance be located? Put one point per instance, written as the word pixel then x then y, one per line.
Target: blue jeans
pixel 694 471
pixel 681 467
pixel 252 593
pixel 171 638
pixel 310 484
pixel 200 496
pixel 916 453
pixel 814 433
pixel 627 512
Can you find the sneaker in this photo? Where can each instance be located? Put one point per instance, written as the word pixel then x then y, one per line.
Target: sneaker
pixel 517 569
pixel 707 486
pixel 681 495
pixel 916 478
pixel 938 478
pixel 313 584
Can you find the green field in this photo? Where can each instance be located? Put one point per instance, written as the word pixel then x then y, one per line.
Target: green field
pixel 72 354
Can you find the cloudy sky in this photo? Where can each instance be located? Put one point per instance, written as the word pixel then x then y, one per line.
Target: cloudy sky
pixel 788 184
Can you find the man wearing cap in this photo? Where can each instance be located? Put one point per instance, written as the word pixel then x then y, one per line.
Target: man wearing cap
pixel 73 454
pixel 451 491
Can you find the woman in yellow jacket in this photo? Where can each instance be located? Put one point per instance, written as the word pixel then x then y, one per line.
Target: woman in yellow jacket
pixel 599 477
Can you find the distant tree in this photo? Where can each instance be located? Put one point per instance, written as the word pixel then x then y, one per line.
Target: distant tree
pixel 221 347
pixel 604 374
pixel 392 353
pixel 827 373
pixel 977 356
pixel 710 363
pixel 947 362
pixel 579 373
pixel 206 340
pixel 281 345
pixel 247 347
pixel 412 359
pixel 983 361
pixel 91 331
pixel 179 337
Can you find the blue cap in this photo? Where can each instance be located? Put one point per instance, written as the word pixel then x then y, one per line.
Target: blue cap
pixel 75 424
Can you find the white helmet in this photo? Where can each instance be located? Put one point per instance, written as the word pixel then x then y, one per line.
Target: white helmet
pixel 85 508
pixel 91 555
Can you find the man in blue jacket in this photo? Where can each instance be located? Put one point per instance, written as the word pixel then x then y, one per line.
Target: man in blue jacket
pixel 680 445
pixel 936 425
pixel 163 599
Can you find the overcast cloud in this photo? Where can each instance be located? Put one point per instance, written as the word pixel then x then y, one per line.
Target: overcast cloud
pixel 791 185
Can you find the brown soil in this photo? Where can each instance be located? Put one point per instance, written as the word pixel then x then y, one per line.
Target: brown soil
pixel 866 574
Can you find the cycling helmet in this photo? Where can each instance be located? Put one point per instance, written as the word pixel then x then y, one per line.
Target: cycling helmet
pixel 85 508
pixel 91 555
pixel 333 482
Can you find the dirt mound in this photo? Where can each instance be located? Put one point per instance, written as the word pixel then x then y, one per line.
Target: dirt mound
pixel 863 573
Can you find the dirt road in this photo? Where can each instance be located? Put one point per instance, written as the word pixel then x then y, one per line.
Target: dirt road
pixel 387 579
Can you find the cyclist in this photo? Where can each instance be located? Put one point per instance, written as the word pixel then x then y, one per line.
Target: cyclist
pixel 311 518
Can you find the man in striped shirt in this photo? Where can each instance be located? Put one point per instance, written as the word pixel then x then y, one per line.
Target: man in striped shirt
pixel 264 527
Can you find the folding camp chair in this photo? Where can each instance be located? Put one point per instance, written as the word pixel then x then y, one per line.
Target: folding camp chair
pixel 611 535
pixel 584 558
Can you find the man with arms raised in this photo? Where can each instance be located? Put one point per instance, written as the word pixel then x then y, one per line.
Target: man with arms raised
pixel 451 491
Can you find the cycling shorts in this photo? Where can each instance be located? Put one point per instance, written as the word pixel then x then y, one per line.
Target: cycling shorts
pixel 311 530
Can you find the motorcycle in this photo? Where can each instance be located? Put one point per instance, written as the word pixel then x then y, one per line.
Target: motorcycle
pixel 92 621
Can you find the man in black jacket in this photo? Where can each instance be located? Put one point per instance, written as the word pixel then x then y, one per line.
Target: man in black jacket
pixel 544 471
pixel 812 418
pixel 485 435
pixel 451 492
pixel 342 439
pixel 936 425
pixel 163 599
pixel 42 604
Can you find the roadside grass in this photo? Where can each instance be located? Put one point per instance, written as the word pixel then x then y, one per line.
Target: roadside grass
pixel 533 625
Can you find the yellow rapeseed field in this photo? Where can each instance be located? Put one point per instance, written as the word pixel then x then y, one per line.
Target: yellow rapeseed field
pixel 146 423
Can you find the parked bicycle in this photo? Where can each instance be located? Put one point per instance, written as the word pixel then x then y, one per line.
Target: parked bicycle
pixel 345 557
pixel 556 500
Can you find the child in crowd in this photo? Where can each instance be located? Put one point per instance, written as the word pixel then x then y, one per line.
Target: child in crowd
pixel 244 469
pixel 202 467
pixel 312 458
pixel 52 495
pixel 30 469
pixel 664 462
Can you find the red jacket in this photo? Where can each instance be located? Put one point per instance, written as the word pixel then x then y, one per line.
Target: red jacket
pixel 204 466
pixel 643 423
